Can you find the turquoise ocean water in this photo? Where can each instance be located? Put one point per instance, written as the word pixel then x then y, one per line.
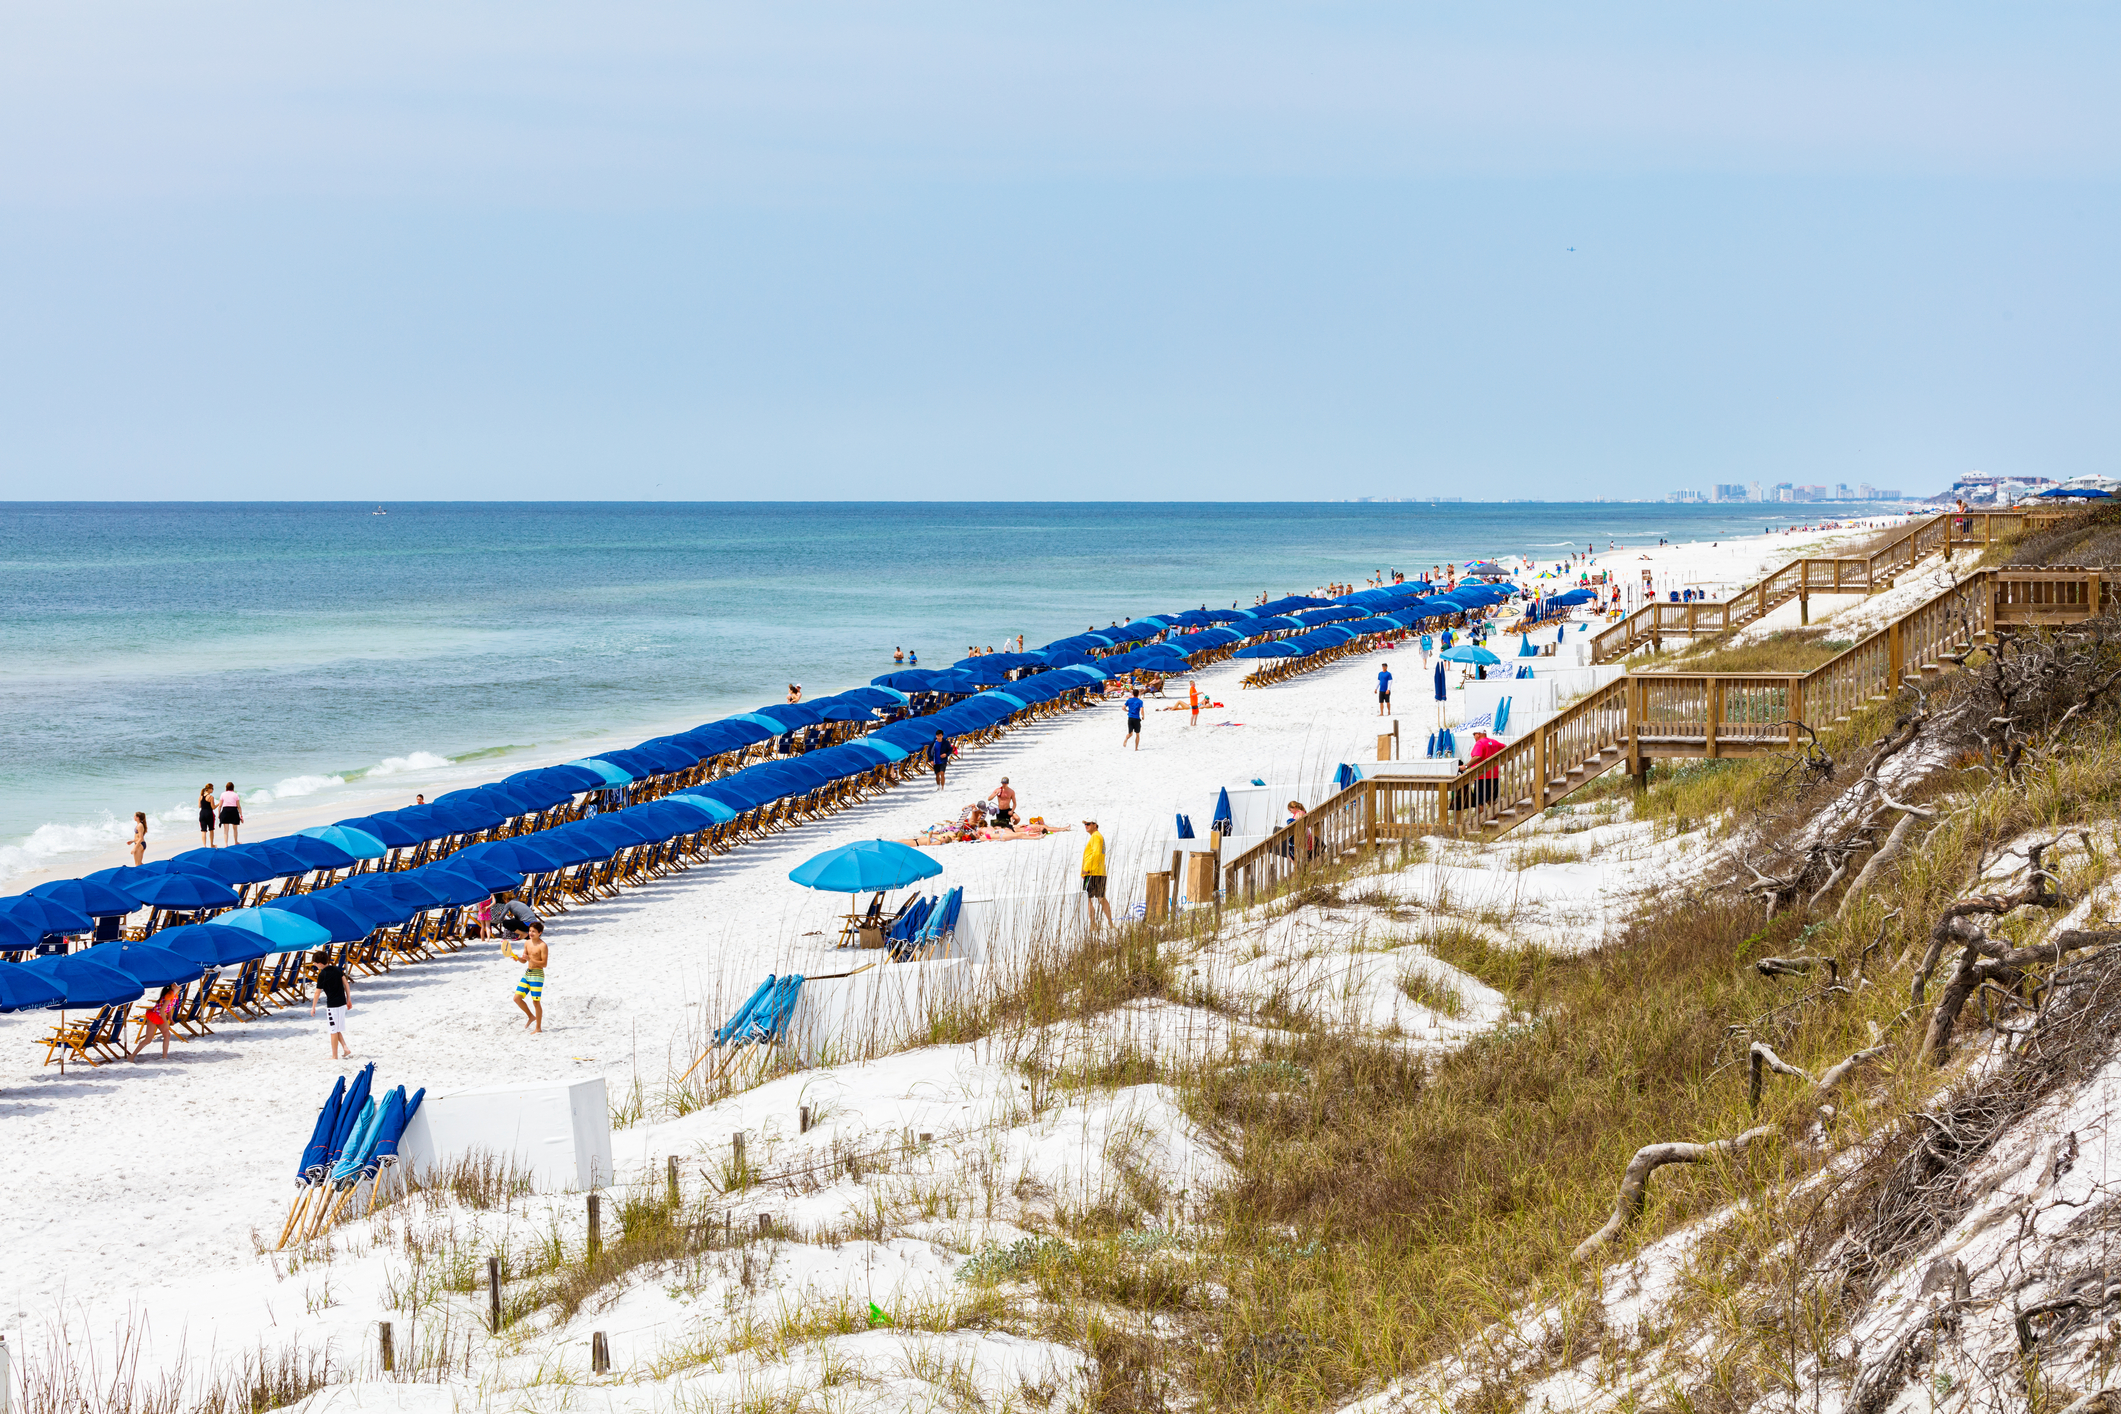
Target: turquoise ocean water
pixel 312 651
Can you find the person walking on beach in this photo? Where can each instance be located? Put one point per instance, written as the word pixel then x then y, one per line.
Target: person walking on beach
pixel 206 815
pixel 1384 690
pixel 1094 876
pixel 231 815
pixel 1004 806
pixel 336 988
pixel 1134 722
pixel 530 991
pixel 939 753
pixel 139 841
pixel 157 1020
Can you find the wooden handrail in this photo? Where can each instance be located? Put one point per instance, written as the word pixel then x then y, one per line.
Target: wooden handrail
pixel 1800 577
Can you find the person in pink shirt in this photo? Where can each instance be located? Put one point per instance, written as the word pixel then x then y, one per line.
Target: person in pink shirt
pixel 1487 782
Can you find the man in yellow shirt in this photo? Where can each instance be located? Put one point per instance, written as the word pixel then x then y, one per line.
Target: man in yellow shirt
pixel 1094 875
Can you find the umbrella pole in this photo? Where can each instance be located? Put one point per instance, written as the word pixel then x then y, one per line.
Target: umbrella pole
pixel 294 1211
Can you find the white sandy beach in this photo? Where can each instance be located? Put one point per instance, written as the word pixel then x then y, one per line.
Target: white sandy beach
pixel 143 1187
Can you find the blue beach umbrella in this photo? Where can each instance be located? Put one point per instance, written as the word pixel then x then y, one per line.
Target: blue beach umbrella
pixel 211 945
pixel 1442 688
pixel 1469 653
pixel 316 853
pixel 171 890
pixel 864 866
pixel 239 864
pixel 350 914
pixel 84 896
pixel 358 843
pixel 522 855
pixel 720 811
pixel 2085 492
pixel 489 874
pixel 885 752
pixel 613 776
pixel 46 915
pixel 284 930
pixel 23 990
pixel 17 935
pixel 311 1166
pixel 149 964
pixel 384 827
pixel 83 980
pixel 1223 818
pixel 1525 649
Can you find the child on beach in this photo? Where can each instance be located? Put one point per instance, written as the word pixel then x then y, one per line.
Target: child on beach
pixel 530 991
pixel 332 984
pixel 157 1019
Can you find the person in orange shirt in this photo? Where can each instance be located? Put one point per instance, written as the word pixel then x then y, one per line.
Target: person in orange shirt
pixel 1193 701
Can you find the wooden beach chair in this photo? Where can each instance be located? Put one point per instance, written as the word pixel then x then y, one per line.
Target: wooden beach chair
pixel 188 1017
pixel 71 1040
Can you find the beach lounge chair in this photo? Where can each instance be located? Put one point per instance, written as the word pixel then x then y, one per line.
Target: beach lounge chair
pixel 188 1019
pixel 853 924
pixel 74 1037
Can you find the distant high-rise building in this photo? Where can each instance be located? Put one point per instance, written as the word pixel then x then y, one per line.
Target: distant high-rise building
pixel 1842 492
pixel 1754 493
pixel 1867 492
pixel 1725 492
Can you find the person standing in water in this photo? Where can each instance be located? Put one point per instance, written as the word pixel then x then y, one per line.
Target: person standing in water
pixel 139 841
pixel 530 991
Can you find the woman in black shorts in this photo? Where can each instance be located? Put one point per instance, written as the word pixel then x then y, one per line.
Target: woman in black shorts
pixel 231 814
pixel 206 815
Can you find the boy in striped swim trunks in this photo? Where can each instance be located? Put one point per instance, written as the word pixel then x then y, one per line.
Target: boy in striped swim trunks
pixel 530 992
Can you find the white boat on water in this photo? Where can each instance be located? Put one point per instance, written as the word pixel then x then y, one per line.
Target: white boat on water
pixel 379 511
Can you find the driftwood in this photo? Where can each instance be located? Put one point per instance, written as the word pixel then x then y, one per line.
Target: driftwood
pixel 1986 960
pixel 1635 1183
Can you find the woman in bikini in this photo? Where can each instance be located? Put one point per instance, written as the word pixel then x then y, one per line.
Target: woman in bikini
pixel 139 842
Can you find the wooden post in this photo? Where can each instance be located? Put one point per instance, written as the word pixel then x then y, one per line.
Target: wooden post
pixel 802 1119
pixel 765 1225
pixel 1712 712
pixel 736 1158
pixel 1546 774
pixel 493 1292
pixel 388 1356
pixel 599 1354
pixel 1369 817
pixel 1156 897
pixel 1804 600
pixel 1896 663
pixel 673 1166
pixel 596 1223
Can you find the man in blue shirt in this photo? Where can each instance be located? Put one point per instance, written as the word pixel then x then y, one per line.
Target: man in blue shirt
pixel 1384 689
pixel 939 753
pixel 1134 722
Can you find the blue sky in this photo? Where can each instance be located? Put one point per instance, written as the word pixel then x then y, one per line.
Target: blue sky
pixel 1157 251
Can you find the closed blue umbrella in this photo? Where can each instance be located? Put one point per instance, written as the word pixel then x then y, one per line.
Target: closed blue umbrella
pixel 284 930
pixel 211 945
pixel 1223 818
pixel 24 990
pixel 1442 689
pixel 312 1165
pixel 84 896
pixel 864 866
pixel 83 981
